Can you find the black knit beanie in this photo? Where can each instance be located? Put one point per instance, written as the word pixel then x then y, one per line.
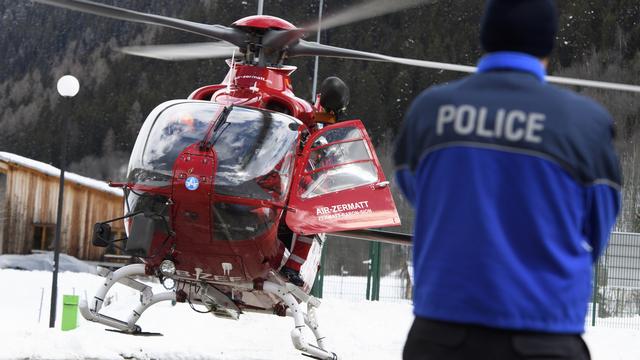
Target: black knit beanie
pixel 527 26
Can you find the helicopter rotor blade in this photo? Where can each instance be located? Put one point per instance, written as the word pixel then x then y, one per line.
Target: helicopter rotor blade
pixel 180 52
pixel 219 32
pixel 592 83
pixel 307 48
pixel 364 11
pixel 359 12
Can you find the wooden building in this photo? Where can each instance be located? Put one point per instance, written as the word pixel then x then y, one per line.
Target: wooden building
pixel 28 208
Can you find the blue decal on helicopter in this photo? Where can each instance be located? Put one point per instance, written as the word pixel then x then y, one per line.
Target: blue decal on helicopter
pixel 192 183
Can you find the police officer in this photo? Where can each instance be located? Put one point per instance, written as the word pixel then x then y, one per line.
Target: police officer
pixel 516 186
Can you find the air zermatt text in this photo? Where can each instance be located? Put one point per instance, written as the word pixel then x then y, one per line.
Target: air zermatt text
pixel 342 207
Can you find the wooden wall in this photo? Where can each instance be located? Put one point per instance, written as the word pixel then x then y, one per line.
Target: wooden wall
pixel 32 198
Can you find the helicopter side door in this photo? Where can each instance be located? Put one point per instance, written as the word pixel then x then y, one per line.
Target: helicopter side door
pixel 340 184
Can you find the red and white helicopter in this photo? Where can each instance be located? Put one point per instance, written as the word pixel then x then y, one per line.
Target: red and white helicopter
pixel 223 183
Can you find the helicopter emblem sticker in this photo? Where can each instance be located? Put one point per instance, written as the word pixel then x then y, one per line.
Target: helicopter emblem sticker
pixel 192 183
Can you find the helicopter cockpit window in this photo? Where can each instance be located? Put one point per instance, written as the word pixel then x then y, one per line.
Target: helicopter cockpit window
pixel 334 154
pixel 172 129
pixel 339 134
pixel 339 159
pixel 255 151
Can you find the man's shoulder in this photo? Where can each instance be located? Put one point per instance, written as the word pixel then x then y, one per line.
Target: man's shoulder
pixel 577 101
pixel 443 91
pixel 493 91
pixel 437 94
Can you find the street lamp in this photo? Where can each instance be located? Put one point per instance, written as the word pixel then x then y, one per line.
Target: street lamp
pixel 68 86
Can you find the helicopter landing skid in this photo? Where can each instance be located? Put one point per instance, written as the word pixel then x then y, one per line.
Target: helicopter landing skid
pixel 141 333
pixel 288 294
pixel 122 275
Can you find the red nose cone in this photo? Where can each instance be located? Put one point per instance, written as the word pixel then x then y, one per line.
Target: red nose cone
pixel 264 22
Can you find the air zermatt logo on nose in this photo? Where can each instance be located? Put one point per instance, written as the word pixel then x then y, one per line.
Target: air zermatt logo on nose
pixel 192 183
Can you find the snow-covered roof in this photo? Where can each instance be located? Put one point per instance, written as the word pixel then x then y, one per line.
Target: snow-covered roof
pixel 53 171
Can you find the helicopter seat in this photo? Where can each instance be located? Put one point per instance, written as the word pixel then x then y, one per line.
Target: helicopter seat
pixel 278 106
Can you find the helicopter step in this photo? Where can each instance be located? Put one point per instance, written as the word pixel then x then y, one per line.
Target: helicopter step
pixel 219 304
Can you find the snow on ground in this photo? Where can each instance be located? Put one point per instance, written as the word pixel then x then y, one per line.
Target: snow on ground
pixel 392 288
pixel 350 327
pixel 613 344
pixel 45 262
pixel 356 329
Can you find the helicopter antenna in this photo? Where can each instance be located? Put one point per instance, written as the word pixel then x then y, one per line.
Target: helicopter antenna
pixel 232 74
pixel 315 66
pixel 260 6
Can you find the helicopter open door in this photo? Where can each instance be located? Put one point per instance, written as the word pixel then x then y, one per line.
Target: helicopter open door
pixel 340 184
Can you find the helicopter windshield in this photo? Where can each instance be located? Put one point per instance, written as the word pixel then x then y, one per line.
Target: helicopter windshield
pixel 254 148
pixel 255 151
pixel 168 130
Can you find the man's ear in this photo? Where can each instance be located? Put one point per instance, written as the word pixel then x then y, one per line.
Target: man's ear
pixel 544 61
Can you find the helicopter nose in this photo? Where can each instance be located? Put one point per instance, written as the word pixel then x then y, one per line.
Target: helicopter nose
pixel 191 187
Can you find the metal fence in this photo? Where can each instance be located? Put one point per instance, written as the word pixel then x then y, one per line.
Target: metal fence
pixel 616 286
pixel 358 270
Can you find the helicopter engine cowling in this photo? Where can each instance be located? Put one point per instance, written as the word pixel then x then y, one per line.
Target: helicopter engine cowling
pixel 263 88
pixel 264 22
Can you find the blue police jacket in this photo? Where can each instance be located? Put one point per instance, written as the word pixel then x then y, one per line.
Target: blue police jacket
pixel 516 187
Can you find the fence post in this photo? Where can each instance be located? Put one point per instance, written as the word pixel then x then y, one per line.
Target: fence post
pixel 375 270
pixel 371 278
pixel 595 295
